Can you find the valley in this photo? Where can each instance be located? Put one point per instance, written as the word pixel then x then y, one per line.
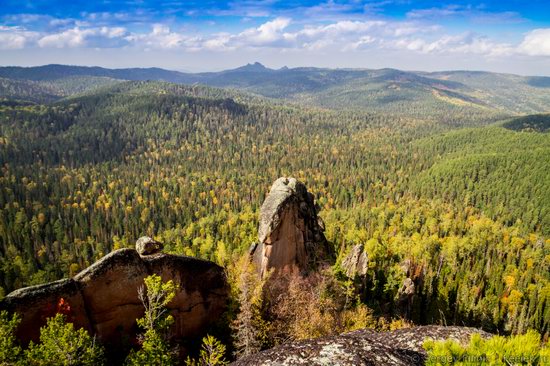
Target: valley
pixel 443 173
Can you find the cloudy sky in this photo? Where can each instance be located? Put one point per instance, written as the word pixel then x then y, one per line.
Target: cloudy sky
pixel 505 36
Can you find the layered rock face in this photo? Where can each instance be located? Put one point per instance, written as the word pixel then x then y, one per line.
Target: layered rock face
pixel 103 298
pixel 290 233
pixel 362 347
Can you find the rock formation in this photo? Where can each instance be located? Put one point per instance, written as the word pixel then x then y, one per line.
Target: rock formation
pixel 356 262
pixel 362 347
pixel 290 233
pixel 146 246
pixel 103 298
pixel 406 296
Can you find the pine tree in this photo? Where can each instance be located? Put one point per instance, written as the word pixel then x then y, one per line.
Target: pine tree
pixel 155 348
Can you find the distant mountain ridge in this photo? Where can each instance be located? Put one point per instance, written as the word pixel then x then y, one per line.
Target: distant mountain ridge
pixel 383 90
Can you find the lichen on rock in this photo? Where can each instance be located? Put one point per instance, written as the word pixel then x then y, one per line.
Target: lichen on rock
pixel 361 347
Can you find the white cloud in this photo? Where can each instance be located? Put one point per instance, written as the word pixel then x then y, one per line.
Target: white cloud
pixel 273 34
pixel 220 42
pixel 467 43
pixel 113 32
pixel 25 18
pixel 269 34
pixel 15 37
pixel 360 44
pixel 247 8
pixel 536 43
pixel 88 37
pixel 414 36
pixel 407 29
pixel 450 10
pixel 60 22
pixel 340 28
pixel 11 41
pixel 342 34
pixel 265 35
pixel 70 38
pixel 121 17
pixel 161 37
pixel 330 10
pixel 474 14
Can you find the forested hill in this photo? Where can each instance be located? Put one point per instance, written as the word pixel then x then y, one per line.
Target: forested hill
pixel 501 171
pixel 386 90
pixel 532 123
pixel 190 165
pixel 47 91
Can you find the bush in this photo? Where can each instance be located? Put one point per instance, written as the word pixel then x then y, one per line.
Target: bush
pixel 249 327
pixel 155 349
pixel 61 344
pixel 525 349
pixel 303 307
pixel 212 353
pixel 10 352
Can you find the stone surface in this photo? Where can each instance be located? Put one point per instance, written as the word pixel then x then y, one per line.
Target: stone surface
pixel 104 297
pixel 147 245
pixel 362 347
pixel 37 303
pixel 109 288
pixel 406 296
pixel 203 291
pixel 356 262
pixel 290 233
pixel 408 288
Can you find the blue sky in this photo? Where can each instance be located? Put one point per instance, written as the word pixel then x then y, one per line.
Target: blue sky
pixel 505 36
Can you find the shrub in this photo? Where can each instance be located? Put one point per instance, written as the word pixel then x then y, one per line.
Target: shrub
pixel 155 349
pixel 302 307
pixel 61 344
pixel 10 352
pixel 249 328
pixel 212 353
pixel 525 349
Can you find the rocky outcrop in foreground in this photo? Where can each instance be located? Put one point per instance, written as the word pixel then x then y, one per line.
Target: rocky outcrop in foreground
pixel 290 233
pixel 362 347
pixel 103 298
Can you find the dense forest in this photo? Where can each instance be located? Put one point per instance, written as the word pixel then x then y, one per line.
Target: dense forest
pixel 387 90
pixel 467 209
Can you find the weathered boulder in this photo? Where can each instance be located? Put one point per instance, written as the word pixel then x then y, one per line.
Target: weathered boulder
pixel 109 288
pixel 146 246
pixel 362 347
pixel 203 291
pixel 104 297
pixel 37 303
pixel 356 262
pixel 290 233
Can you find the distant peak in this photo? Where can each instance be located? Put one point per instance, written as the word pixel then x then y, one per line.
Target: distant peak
pixel 256 66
